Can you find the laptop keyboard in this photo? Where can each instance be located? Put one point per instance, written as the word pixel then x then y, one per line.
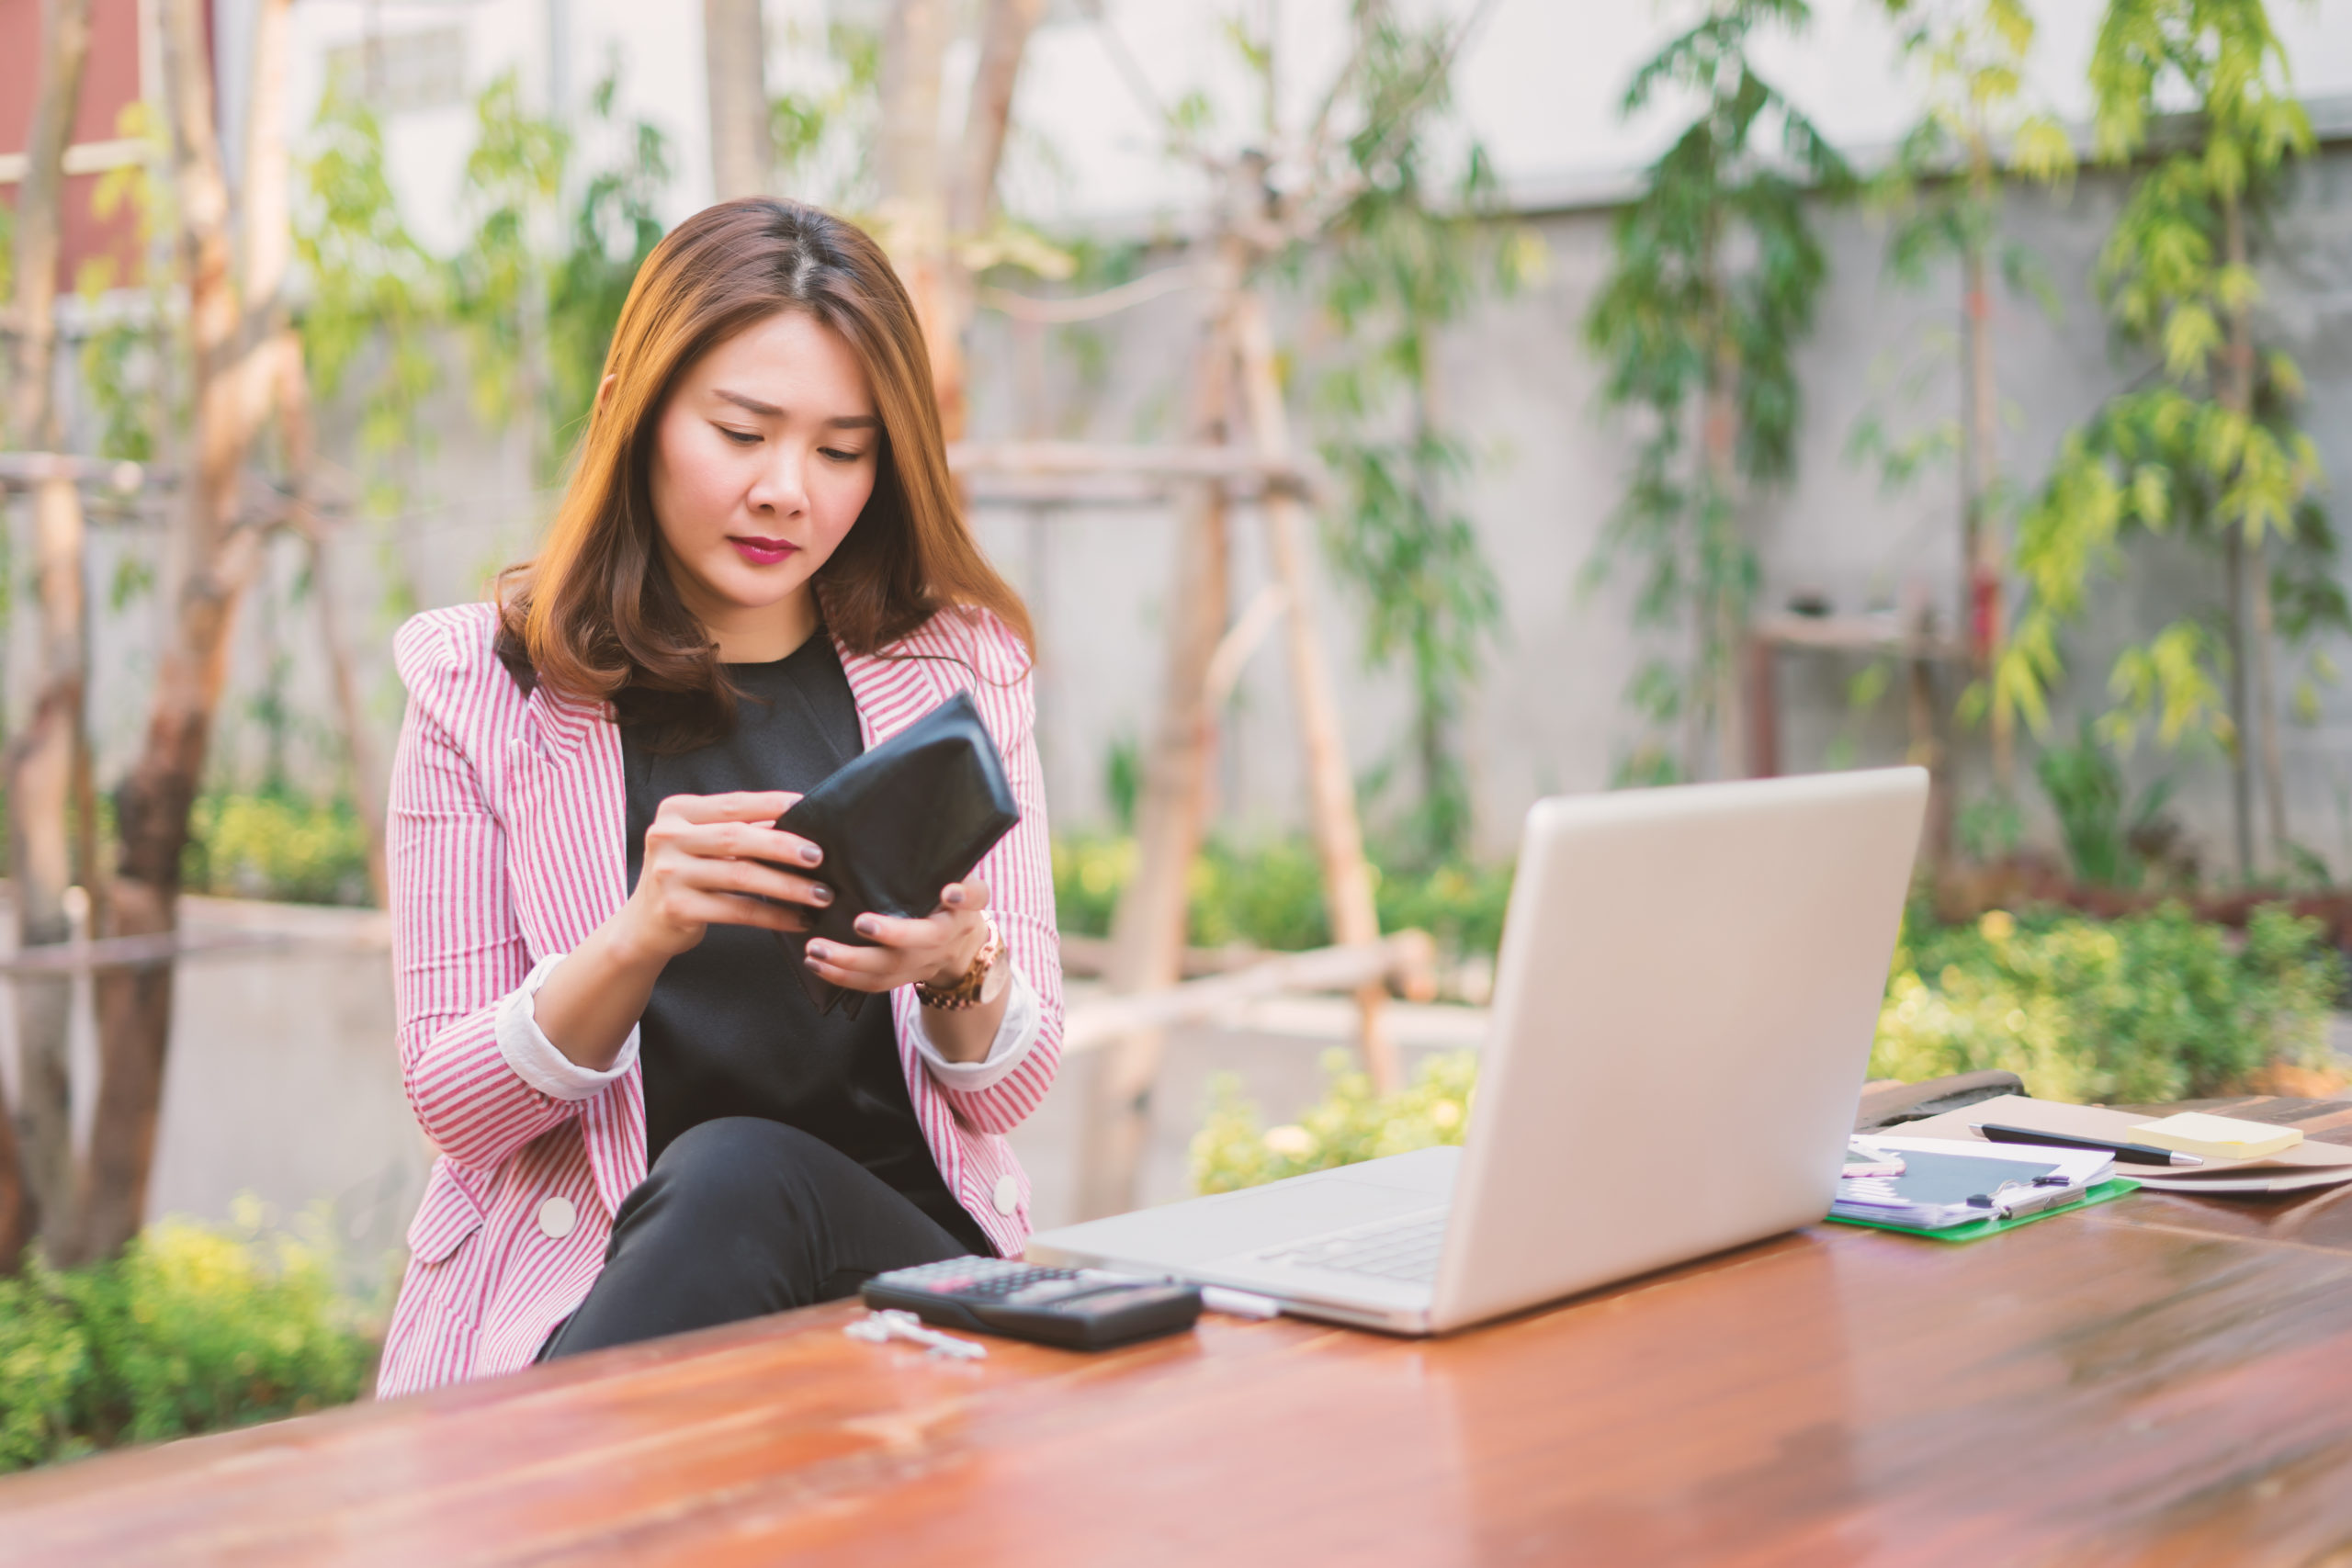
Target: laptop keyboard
pixel 1404 1249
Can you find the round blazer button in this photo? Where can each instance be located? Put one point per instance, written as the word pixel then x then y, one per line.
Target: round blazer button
pixel 1007 1196
pixel 556 1217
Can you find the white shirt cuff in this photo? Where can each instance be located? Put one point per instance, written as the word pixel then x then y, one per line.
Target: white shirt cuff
pixel 1015 1035
pixel 534 1056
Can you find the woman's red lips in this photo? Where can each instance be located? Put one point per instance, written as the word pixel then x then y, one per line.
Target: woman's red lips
pixel 760 551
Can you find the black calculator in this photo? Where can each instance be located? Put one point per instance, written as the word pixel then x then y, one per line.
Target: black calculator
pixel 1079 1309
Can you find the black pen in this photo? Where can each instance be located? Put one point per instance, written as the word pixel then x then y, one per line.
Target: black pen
pixel 2125 1153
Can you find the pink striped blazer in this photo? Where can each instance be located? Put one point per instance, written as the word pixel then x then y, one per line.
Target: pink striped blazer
pixel 508 815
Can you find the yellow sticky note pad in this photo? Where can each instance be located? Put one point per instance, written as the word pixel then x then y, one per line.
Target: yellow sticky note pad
pixel 2217 1137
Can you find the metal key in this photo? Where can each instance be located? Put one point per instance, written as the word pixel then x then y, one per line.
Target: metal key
pixel 881 1327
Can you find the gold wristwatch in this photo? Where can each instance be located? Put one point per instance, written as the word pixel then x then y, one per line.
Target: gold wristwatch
pixel 966 990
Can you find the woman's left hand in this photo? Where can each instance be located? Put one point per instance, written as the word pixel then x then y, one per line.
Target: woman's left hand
pixel 937 950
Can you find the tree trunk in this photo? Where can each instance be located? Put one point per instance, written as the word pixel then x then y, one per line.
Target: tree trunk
pixel 40 210
pixel 971 203
pixel 1331 789
pixel 1722 615
pixel 2237 395
pixel 1149 929
pixel 2241 760
pixel 1004 39
pixel 41 761
pixel 915 188
pixel 18 1215
pixel 1984 607
pixel 735 54
pixel 217 553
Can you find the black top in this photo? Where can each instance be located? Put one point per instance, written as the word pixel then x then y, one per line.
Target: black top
pixel 729 1031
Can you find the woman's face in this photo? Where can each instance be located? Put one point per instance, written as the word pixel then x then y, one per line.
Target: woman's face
pixel 763 459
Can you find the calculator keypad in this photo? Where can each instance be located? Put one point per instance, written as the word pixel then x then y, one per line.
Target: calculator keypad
pixel 992 1278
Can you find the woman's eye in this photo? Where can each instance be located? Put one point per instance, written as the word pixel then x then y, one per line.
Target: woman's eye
pixel 838 455
pixel 740 438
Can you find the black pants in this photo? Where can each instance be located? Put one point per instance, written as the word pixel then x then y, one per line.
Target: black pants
pixel 739 1217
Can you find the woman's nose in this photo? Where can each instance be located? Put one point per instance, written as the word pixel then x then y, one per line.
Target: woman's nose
pixel 780 486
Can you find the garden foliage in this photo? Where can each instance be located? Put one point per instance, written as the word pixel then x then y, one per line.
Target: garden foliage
pixel 1271 896
pixel 276 844
pixel 190 1330
pixel 1406 259
pixel 1234 1149
pixel 2146 1010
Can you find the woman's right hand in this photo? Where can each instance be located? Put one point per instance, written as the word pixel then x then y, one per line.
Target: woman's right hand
pixel 716 858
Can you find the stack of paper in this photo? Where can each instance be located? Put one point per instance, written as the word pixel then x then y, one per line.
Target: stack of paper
pixel 2306 1164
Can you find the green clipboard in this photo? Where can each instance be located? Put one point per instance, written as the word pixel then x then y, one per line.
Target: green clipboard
pixel 2107 1191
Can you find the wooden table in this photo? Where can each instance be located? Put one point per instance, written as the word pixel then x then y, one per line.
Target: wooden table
pixel 2158 1380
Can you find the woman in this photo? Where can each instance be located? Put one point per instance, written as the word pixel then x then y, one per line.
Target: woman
pixel 758 570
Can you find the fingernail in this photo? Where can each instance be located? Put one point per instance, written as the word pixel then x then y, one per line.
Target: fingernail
pixel 820 895
pixel 868 926
pixel 953 896
pixel 818 952
pixel 810 854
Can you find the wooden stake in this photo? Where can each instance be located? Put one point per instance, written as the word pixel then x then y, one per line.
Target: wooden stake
pixel 1331 796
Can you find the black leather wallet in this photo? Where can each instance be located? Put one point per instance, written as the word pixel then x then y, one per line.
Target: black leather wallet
pixel 898 824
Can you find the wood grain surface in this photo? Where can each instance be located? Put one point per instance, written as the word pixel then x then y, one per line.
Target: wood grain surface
pixel 2129 1385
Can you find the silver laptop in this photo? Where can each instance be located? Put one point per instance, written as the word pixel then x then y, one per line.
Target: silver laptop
pixel 1688 985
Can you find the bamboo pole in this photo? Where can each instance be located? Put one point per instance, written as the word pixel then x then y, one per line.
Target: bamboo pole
pixel 1331 796
pixel 45 761
pixel 912 213
pixel 735 68
pixel 367 779
pixel 217 553
pixel 1408 956
pixel 1147 932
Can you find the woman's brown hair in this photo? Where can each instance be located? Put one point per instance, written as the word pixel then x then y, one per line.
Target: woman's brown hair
pixel 596 615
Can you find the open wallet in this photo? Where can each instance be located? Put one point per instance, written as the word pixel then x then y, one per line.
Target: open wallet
pixel 898 824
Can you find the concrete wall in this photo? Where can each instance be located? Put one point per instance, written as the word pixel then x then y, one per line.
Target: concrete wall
pixel 1549 714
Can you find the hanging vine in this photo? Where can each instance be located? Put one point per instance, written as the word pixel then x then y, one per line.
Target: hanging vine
pixel 1713 282
pixel 375 296
pixel 612 229
pixel 2205 444
pixel 499 275
pixel 1944 194
pixel 1406 258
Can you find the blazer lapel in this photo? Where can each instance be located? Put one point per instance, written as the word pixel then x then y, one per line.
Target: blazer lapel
pixel 891 689
pixel 568 828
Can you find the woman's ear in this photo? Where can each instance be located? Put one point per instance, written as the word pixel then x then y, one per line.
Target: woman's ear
pixel 604 392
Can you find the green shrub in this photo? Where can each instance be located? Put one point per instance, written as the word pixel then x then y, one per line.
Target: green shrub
pixel 1271 896
pixel 1265 896
pixel 1088 874
pixel 1350 1123
pixel 276 845
pixel 2146 1008
pixel 192 1329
